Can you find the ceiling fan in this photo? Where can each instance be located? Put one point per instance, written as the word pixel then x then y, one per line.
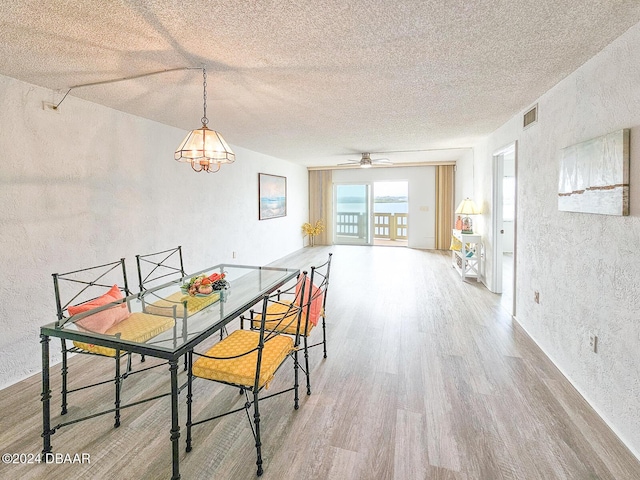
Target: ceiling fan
pixel 367 162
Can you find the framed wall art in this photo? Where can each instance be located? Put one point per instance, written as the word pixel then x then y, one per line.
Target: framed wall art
pixel 272 193
pixel 594 175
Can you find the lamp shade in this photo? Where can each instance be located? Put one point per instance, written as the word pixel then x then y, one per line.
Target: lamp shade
pixel 203 148
pixel 467 207
pixel 204 144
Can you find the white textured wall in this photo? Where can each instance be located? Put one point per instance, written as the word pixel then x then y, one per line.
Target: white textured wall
pixel 422 197
pixel 464 186
pixel 586 267
pixel 89 185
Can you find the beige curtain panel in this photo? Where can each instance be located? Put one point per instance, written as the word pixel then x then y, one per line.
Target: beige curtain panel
pixel 320 203
pixel 444 205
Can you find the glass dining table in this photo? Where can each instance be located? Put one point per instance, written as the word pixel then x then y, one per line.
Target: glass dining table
pixel 247 285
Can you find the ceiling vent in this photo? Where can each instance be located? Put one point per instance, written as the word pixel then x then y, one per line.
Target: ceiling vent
pixel 531 116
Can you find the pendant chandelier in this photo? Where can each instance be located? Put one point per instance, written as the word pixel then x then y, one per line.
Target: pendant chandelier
pixel 204 149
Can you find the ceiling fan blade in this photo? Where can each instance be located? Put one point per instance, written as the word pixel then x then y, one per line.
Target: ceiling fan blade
pixel 367 161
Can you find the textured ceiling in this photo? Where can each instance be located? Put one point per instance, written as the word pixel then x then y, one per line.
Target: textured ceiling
pixel 314 82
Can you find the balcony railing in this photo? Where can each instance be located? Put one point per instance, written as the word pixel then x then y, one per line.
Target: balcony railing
pixel 390 226
pixel 350 224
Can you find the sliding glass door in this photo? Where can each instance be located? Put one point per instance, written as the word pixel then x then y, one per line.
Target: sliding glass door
pixel 352 218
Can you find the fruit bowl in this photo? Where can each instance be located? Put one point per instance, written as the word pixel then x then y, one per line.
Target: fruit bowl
pixel 205 294
pixel 203 285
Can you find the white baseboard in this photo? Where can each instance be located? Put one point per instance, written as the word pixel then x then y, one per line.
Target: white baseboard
pixel 583 394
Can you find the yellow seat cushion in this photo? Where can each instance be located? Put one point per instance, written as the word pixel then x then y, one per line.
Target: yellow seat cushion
pixel 289 324
pixel 194 304
pixel 138 327
pixel 242 370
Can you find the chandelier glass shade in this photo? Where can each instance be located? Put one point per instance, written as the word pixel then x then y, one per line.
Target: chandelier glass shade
pixel 203 148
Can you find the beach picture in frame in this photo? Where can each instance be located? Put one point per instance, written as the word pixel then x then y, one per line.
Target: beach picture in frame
pixel 594 175
pixel 272 193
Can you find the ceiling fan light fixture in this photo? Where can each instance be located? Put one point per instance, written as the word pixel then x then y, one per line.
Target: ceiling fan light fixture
pixel 366 161
pixel 203 148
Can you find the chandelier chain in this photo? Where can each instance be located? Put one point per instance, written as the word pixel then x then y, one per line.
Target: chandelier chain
pixel 203 148
pixel 205 120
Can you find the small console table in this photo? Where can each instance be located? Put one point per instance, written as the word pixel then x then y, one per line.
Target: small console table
pixel 468 261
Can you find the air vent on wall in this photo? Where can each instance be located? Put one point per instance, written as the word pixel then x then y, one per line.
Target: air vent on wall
pixel 531 116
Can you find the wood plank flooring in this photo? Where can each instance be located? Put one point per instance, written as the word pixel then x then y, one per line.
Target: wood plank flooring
pixel 427 378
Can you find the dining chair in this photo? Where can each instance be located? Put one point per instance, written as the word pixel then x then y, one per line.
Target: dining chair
pixel 249 360
pixel 163 267
pixel 313 309
pixel 159 267
pixel 103 288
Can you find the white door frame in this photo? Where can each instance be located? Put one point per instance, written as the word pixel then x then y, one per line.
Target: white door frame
pixel 498 228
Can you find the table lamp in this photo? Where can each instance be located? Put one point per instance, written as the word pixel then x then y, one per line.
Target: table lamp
pixel 467 207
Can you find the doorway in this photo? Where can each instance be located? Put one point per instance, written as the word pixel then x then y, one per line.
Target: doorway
pixel 375 213
pixel 504 233
pixel 391 213
pixel 352 217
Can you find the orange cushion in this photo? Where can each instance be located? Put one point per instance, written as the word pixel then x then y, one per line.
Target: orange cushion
pixel 102 321
pixel 316 300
